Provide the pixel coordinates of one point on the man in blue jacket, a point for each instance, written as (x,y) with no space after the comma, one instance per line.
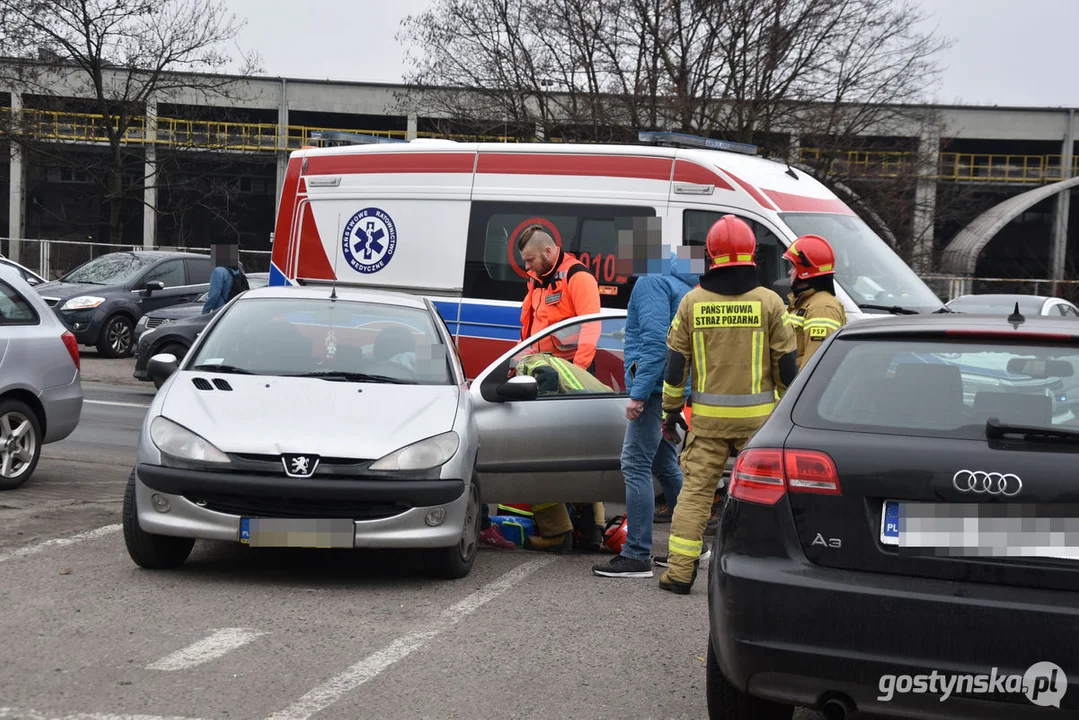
(653,303)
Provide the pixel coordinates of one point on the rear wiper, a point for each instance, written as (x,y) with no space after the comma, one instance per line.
(995,429)
(342,376)
(893,309)
(227,369)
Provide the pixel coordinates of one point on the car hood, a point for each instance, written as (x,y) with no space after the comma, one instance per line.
(177,312)
(273,415)
(65,291)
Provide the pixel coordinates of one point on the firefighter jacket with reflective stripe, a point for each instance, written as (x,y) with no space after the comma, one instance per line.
(557,376)
(814,315)
(732,344)
(569,290)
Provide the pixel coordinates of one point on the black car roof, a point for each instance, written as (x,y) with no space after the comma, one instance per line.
(970,322)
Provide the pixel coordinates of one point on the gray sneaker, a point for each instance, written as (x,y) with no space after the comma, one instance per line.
(624,567)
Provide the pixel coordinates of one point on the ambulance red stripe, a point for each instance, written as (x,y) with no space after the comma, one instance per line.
(647,168)
(799,203)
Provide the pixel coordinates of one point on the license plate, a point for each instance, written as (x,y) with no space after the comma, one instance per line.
(297,532)
(889,522)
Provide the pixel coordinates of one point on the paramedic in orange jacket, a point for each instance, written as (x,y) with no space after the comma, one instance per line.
(560,287)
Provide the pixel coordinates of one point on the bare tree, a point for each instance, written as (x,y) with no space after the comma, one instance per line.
(841,75)
(113,59)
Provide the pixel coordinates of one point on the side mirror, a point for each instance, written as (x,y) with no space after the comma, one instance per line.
(161,366)
(521,387)
(154,285)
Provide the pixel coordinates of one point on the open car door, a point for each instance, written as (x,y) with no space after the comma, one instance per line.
(550,433)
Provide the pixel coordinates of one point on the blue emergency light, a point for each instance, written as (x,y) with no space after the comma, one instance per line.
(660,137)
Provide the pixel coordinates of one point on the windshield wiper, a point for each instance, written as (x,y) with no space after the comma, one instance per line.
(227,369)
(893,309)
(343,376)
(944,309)
(995,429)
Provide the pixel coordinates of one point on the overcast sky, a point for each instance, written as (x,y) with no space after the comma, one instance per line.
(1006,52)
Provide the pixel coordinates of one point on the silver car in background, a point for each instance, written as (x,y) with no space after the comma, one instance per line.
(40,383)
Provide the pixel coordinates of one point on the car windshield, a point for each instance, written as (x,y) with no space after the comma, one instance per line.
(997,304)
(341,340)
(940,388)
(111,269)
(865,266)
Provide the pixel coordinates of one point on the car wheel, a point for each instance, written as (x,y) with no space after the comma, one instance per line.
(117,338)
(456,561)
(176,349)
(726,702)
(154,552)
(20,443)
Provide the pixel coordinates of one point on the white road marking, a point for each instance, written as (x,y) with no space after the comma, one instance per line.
(59,542)
(114,403)
(369,668)
(16,714)
(222,641)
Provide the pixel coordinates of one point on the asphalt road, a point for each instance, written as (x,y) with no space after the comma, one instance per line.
(289,635)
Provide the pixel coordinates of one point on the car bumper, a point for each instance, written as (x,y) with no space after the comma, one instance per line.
(63,408)
(85,325)
(797,633)
(405,529)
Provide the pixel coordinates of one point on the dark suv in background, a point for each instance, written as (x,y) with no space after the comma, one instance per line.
(101,300)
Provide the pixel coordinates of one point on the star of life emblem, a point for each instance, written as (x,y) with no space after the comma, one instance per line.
(299,465)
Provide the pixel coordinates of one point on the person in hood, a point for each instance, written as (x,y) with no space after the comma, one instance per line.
(661,284)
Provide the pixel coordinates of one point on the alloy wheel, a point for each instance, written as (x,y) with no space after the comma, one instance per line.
(18,443)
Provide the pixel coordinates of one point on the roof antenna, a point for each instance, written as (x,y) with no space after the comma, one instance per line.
(1016,318)
(336,250)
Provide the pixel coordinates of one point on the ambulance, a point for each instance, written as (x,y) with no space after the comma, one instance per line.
(441,218)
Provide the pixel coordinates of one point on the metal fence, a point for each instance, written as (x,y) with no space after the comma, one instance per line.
(948,287)
(51,258)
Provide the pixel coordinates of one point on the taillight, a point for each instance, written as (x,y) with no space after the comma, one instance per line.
(764,475)
(758,477)
(72,346)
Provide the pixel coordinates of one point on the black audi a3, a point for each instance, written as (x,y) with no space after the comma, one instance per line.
(901,537)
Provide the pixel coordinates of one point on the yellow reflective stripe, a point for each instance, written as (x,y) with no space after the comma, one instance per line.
(796,320)
(730,412)
(681,546)
(675,323)
(724,259)
(561,366)
(514,511)
(745,258)
(823,322)
(672,391)
(732,400)
(825,268)
(700,369)
(758,362)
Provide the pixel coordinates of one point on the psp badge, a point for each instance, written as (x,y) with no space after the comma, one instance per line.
(369,240)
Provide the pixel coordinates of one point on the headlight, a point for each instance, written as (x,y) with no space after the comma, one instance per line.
(425,454)
(179,442)
(83,303)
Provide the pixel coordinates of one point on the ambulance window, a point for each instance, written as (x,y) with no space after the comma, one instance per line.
(494,269)
(695,226)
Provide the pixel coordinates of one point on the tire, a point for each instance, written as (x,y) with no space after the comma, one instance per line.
(726,702)
(18,455)
(456,561)
(153,552)
(117,337)
(176,349)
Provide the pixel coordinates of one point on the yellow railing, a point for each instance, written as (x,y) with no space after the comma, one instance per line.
(241,136)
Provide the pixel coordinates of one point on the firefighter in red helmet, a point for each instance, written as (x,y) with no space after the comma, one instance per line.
(731,336)
(815,312)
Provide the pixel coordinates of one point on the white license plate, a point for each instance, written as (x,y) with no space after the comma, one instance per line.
(298,532)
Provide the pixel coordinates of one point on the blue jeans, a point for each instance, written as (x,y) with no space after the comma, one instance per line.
(645,453)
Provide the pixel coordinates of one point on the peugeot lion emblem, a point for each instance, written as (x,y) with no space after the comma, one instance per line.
(987,483)
(299,466)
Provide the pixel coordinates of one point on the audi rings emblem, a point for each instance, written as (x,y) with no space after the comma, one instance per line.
(987,483)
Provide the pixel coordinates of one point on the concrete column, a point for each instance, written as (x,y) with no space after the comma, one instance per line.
(282,142)
(17,188)
(149,191)
(1059,251)
(413,123)
(925,201)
